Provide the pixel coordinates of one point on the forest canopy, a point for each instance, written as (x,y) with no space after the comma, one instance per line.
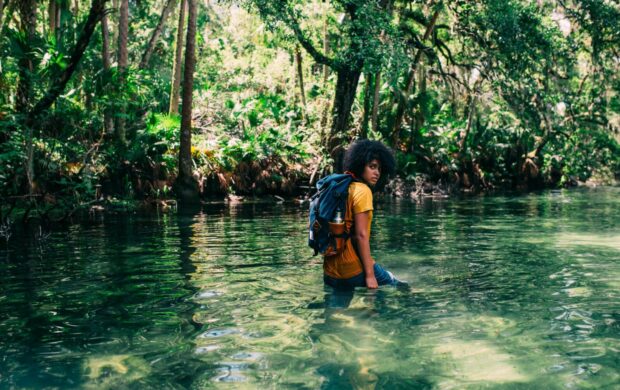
(149,98)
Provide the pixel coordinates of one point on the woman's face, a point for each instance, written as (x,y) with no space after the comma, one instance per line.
(372,172)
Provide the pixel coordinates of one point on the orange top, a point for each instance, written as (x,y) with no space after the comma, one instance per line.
(347,264)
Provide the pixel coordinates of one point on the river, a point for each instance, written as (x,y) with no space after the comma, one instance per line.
(514,292)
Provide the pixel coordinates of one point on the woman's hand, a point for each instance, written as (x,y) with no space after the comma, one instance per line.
(371,282)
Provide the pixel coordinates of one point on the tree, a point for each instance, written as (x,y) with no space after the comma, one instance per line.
(368,93)
(598,21)
(28,26)
(186,185)
(156,33)
(3,4)
(360,43)
(178,58)
(374,119)
(123,62)
(404,97)
(52,11)
(108,121)
(491,93)
(59,84)
(300,78)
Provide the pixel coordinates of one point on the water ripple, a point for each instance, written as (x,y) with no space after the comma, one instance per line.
(504,291)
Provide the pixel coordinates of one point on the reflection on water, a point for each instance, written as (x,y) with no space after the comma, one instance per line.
(505,292)
(113,371)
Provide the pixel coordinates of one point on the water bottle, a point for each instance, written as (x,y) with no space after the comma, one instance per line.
(336,228)
(338,217)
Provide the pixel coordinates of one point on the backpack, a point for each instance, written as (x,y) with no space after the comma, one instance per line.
(332,195)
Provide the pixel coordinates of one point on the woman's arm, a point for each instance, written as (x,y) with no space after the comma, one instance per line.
(361,239)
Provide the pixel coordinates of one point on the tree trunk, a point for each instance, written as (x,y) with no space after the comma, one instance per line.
(51,11)
(548,129)
(187,187)
(375,102)
(368,90)
(28,17)
(346,87)
(105,43)
(2,5)
(10,5)
(114,25)
(54,9)
(59,11)
(178,58)
(325,43)
(123,61)
(156,33)
(470,118)
(300,78)
(404,98)
(108,121)
(292,89)
(419,116)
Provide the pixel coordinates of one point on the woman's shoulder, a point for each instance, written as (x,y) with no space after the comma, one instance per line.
(358,188)
(360,197)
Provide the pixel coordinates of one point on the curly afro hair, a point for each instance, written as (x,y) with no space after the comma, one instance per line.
(362,152)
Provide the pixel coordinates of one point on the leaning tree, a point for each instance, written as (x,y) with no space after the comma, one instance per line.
(362,27)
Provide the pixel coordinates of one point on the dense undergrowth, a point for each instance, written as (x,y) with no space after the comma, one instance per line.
(520,106)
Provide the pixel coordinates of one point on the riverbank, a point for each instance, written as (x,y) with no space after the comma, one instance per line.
(48,211)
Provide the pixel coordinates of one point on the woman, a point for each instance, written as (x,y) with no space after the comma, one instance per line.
(371,163)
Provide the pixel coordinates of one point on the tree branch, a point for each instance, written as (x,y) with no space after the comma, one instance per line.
(445,50)
(156,33)
(305,42)
(447,75)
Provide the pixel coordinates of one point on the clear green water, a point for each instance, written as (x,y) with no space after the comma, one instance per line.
(505,292)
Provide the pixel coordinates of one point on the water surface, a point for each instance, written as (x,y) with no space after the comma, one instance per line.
(505,292)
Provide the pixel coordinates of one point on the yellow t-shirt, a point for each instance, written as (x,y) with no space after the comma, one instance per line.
(347,264)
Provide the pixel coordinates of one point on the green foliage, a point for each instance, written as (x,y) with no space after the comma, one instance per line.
(157,144)
(267,132)
(264,144)
(358,28)
(12,157)
(545,111)
(586,152)
(257,109)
